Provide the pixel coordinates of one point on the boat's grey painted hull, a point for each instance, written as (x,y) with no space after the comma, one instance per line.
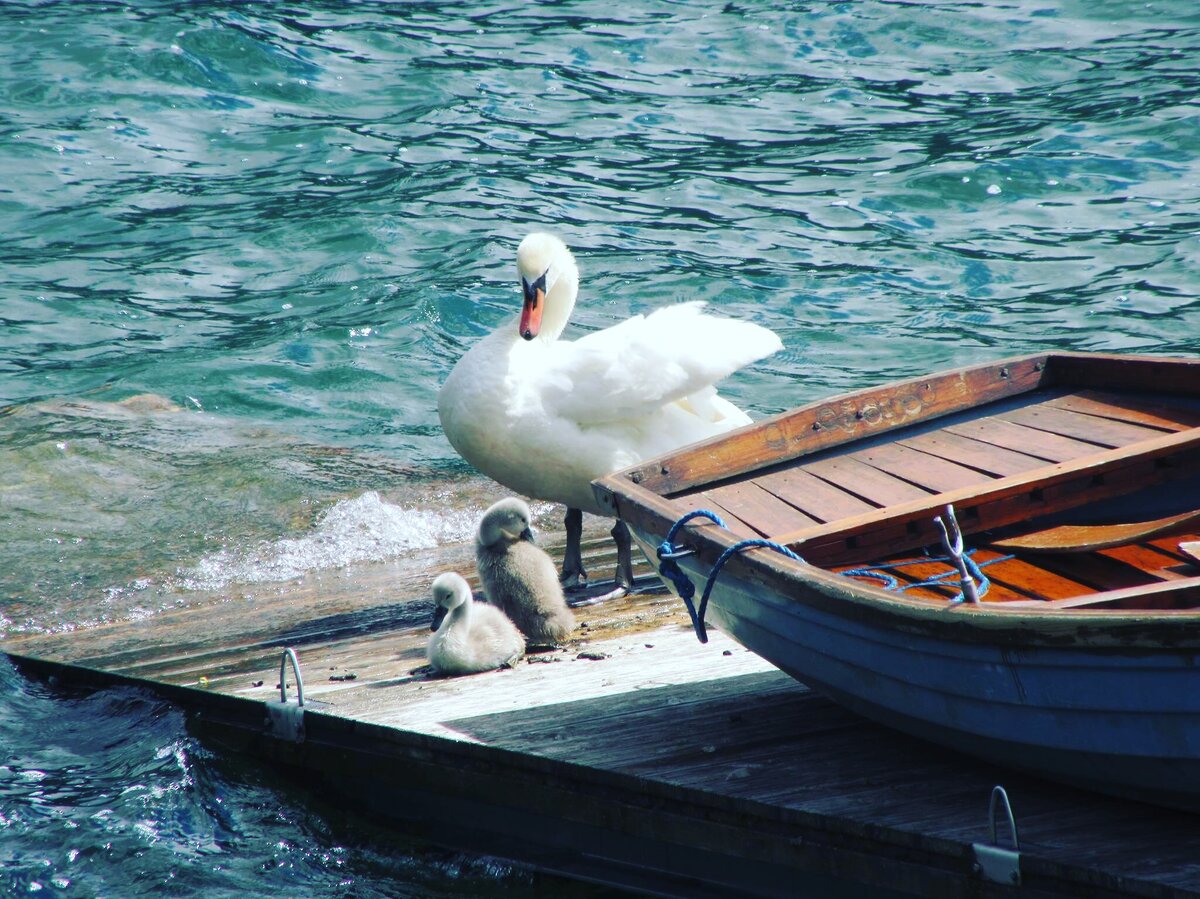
(1120,719)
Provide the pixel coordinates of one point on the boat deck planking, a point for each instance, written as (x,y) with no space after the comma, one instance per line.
(659,763)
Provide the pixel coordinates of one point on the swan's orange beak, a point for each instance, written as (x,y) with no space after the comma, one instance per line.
(531,312)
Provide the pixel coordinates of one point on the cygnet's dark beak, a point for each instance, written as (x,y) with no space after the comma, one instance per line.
(531,311)
(528,535)
(439,614)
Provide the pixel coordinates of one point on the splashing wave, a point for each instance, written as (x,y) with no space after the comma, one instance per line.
(361,529)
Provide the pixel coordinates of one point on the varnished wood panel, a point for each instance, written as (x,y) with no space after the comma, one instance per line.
(978,454)
(1004,501)
(1183,593)
(1162,565)
(1030,441)
(760,509)
(1152,411)
(816,498)
(930,472)
(1098,570)
(1170,546)
(866,481)
(1027,577)
(1077,426)
(707,499)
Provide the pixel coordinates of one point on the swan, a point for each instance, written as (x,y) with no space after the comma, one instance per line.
(472,636)
(545,417)
(517,574)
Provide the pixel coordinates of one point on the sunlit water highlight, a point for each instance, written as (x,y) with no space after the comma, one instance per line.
(242,246)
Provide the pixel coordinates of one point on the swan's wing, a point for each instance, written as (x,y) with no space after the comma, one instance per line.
(632,369)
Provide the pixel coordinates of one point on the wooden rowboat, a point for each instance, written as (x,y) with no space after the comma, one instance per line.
(1075,482)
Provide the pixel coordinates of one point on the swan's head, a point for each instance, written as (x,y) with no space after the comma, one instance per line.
(450,590)
(549,281)
(505,522)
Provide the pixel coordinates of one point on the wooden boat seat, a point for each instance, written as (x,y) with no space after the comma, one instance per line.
(1088,538)
(1183,593)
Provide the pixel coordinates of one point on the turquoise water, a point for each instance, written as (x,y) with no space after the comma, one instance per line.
(284,223)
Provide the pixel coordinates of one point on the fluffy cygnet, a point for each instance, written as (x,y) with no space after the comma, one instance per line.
(472,636)
(518,575)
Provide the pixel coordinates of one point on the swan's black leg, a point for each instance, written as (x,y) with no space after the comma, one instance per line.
(623,582)
(573,573)
(624,577)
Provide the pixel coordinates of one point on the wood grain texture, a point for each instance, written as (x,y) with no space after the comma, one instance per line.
(1152,410)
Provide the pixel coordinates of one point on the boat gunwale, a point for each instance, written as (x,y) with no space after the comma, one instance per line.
(807,429)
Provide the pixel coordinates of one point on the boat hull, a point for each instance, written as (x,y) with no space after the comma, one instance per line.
(1120,718)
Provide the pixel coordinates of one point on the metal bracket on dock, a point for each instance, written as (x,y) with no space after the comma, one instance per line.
(992,861)
(285,720)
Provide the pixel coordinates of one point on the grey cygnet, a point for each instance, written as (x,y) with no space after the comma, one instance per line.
(518,576)
(472,636)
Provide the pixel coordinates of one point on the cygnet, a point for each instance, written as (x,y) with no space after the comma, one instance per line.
(518,576)
(472,636)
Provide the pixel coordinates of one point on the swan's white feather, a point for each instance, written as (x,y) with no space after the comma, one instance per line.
(634,368)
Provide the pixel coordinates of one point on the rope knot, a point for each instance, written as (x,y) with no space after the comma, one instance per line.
(669,568)
(668,552)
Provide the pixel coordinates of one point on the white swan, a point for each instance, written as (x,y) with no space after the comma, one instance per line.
(518,576)
(473,636)
(545,417)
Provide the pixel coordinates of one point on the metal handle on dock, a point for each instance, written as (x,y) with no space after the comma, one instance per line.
(992,861)
(289,653)
(998,796)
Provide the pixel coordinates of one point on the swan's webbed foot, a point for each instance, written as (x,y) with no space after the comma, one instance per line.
(623,580)
(615,593)
(573,581)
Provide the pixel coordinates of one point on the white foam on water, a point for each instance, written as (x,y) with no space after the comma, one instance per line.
(366,528)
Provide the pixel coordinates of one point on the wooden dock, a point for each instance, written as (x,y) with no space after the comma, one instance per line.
(635,756)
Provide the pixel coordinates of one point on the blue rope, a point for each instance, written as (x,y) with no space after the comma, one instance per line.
(893,585)
(668,552)
(669,568)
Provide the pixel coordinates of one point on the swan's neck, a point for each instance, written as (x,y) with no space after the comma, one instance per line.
(489,535)
(560,302)
(459,616)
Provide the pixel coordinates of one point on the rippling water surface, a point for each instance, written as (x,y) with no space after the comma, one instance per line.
(241,245)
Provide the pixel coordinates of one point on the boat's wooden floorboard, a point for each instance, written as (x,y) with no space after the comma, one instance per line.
(636,694)
(1046,576)
(810,494)
(963,453)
